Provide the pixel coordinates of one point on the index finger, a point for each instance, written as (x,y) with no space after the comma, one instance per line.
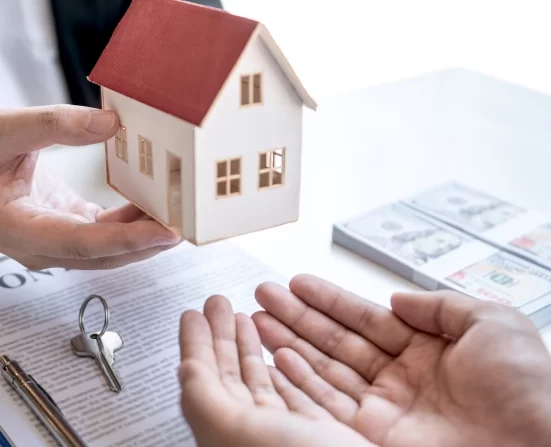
(372,321)
(33,128)
(196,340)
(58,238)
(254,371)
(321,331)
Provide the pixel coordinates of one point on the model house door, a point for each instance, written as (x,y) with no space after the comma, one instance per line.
(174,190)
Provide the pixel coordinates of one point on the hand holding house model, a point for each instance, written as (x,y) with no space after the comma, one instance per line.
(211,120)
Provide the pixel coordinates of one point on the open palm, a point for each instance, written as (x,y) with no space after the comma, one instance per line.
(231,398)
(441,369)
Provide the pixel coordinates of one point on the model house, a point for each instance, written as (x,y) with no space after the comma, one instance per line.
(211,120)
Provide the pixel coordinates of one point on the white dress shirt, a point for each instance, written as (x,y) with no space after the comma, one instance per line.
(30,73)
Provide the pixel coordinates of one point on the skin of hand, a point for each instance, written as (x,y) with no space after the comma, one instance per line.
(43,223)
(231,398)
(437,369)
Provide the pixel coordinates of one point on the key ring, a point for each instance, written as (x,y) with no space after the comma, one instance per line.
(105,313)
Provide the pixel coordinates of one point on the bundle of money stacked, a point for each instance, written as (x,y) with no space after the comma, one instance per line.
(524,232)
(454,237)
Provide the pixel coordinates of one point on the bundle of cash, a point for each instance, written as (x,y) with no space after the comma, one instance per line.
(524,232)
(436,256)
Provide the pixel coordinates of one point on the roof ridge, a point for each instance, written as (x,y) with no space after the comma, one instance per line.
(176,56)
(198,5)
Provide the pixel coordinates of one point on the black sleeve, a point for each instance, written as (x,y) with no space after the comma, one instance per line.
(83,28)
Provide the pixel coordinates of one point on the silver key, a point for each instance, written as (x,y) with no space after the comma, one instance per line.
(102,350)
(101,346)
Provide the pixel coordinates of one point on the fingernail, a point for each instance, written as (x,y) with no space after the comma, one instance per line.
(100,121)
(167,239)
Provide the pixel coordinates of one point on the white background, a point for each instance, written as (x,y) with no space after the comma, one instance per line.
(334,46)
(340,45)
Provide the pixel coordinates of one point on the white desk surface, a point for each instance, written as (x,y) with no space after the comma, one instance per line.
(368,147)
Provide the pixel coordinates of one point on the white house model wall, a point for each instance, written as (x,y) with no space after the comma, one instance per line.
(166,133)
(233,131)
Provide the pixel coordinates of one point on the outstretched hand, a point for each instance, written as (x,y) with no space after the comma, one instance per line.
(231,398)
(439,369)
(43,223)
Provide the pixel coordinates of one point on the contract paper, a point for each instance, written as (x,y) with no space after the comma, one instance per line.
(39,316)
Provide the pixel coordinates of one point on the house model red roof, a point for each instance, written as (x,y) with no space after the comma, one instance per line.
(176,56)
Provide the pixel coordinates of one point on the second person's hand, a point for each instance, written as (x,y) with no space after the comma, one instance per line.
(43,222)
(440,369)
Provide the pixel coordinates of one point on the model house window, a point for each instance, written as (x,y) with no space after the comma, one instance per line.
(272,168)
(251,89)
(146,156)
(120,144)
(228,177)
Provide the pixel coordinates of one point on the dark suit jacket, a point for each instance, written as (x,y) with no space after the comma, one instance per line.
(83,28)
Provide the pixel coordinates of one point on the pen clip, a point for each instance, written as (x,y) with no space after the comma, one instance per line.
(45,392)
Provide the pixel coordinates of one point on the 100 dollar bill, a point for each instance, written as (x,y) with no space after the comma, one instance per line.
(407,235)
(435,256)
(536,242)
(465,207)
(523,232)
(503,278)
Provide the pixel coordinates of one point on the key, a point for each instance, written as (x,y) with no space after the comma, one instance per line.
(102,350)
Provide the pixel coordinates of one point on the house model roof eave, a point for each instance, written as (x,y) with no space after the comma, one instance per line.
(183,79)
(285,66)
(262,32)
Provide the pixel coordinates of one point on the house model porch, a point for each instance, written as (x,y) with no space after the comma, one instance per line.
(211,112)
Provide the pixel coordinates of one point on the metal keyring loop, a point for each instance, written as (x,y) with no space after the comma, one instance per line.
(105,313)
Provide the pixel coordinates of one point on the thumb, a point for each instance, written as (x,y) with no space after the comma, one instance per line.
(446,312)
(33,128)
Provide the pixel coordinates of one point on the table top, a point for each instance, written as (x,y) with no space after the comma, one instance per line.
(369,147)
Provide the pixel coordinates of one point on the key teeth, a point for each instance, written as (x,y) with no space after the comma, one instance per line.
(118,390)
(81,348)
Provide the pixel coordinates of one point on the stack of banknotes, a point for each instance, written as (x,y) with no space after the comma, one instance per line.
(456,237)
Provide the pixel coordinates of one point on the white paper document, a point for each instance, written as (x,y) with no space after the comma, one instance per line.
(39,316)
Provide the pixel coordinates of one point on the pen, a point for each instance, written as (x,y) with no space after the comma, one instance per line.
(41,404)
(4,440)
